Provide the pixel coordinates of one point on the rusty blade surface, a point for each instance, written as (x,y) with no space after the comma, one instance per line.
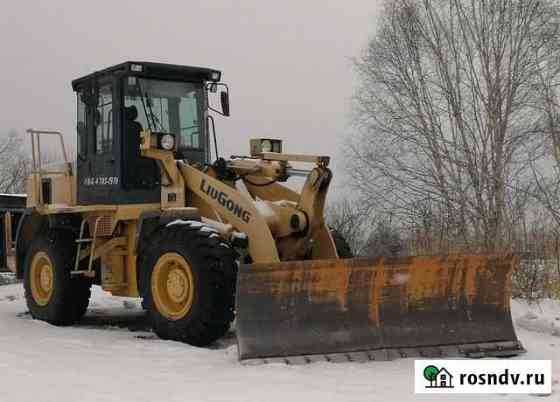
(326,307)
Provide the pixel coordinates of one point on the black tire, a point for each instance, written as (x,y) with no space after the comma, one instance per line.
(144,304)
(81,290)
(213,266)
(343,249)
(70,296)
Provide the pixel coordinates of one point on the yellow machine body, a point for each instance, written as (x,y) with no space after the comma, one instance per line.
(295,297)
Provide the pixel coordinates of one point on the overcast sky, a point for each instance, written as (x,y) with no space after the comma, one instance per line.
(288,63)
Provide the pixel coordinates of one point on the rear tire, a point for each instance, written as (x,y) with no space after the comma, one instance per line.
(343,249)
(187,279)
(52,295)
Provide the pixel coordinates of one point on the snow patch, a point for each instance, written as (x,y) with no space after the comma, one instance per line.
(12,195)
(131,304)
(194,224)
(9,298)
(7,278)
(111,348)
(208,229)
(542,317)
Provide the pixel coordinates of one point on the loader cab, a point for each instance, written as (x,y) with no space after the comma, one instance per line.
(115,105)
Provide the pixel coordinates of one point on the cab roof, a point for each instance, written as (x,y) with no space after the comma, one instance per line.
(154,70)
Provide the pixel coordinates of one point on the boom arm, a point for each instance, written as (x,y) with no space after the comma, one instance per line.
(280,224)
(236,209)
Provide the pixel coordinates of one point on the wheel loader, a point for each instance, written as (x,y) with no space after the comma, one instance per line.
(148,209)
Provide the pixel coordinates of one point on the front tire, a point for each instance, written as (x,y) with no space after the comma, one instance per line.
(188,282)
(52,295)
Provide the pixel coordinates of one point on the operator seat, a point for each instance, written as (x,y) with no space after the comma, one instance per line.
(133,129)
(139,171)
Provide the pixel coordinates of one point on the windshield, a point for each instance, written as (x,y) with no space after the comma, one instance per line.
(170,107)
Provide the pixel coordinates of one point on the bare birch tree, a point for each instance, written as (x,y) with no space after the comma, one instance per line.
(449,110)
(545,165)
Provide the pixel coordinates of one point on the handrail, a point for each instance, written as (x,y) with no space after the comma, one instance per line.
(35,137)
(36,156)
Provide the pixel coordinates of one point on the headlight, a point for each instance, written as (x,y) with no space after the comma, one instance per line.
(167,142)
(266,146)
(260,145)
(215,75)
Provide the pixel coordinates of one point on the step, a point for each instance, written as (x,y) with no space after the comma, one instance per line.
(91,274)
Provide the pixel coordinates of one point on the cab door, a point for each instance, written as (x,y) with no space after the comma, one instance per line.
(98,179)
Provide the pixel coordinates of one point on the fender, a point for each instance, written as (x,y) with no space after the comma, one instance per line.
(29,225)
(150,221)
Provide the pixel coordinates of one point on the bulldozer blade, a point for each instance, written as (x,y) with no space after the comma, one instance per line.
(370,309)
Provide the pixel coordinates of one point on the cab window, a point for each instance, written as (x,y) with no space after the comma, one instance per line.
(81,125)
(171,107)
(103,121)
(190,131)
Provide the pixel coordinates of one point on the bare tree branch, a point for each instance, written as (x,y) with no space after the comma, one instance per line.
(450,115)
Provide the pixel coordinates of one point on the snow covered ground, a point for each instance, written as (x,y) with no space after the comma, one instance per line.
(111,356)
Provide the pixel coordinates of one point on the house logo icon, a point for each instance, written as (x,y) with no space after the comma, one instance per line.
(438,378)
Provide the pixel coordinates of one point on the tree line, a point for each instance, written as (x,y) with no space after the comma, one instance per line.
(456,144)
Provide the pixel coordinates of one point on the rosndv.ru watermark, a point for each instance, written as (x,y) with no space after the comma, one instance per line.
(483,376)
(505,378)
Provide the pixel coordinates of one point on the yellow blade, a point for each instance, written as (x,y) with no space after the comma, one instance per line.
(379,307)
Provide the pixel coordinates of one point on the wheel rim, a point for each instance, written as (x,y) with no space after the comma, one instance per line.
(173,286)
(42,278)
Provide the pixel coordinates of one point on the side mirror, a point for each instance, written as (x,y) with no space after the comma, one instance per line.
(224,97)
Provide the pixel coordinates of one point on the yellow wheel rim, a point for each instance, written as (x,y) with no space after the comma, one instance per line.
(42,278)
(172,286)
